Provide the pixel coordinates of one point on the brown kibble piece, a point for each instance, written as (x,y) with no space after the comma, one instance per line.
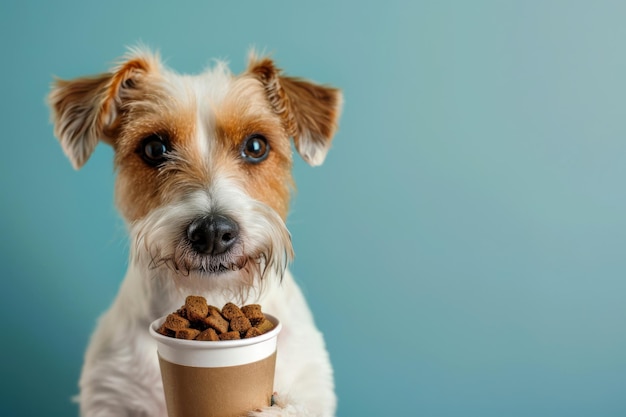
(175,322)
(214,310)
(240,324)
(208,335)
(196,308)
(198,320)
(230,336)
(252,332)
(230,310)
(265,326)
(166,332)
(187,333)
(217,322)
(253,313)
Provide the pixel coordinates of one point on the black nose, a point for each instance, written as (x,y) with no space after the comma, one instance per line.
(213,234)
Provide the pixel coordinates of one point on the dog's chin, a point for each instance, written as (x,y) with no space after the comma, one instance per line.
(201,274)
(187,262)
(213,270)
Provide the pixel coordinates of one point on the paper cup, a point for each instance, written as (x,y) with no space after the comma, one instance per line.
(217,379)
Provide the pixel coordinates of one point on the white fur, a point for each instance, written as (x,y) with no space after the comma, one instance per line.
(121,377)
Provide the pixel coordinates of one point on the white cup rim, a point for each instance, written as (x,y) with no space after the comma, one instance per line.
(209,344)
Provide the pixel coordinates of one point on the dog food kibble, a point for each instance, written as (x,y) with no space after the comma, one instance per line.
(199,321)
(230,311)
(265,326)
(195,308)
(252,332)
(187,333)
(253,313)
(208,334)
(240,324)
(230,336)
(175,322)
(216,322)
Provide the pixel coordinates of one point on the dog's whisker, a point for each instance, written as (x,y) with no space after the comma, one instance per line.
(265,249)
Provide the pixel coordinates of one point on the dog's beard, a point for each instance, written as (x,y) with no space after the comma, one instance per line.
(185,259)
(264,248)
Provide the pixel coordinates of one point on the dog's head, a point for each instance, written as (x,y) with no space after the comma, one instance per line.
(203,162)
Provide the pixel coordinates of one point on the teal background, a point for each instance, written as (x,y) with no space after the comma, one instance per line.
(463,247)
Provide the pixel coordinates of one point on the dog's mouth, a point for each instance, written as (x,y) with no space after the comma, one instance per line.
(210,267)
(186,259)
(218,269)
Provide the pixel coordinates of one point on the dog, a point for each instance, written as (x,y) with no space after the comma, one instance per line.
(203,183)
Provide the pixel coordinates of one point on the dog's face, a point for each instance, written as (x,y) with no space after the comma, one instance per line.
(203,162)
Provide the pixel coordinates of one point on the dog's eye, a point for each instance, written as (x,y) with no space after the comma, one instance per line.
(255,148)
(153,150)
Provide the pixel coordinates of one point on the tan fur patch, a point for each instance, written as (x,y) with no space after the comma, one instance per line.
(244,112)
(141,188)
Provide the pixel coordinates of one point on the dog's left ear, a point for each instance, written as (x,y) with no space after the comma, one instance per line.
(310,111)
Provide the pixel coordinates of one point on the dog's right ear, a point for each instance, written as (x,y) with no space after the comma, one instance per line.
(87,110)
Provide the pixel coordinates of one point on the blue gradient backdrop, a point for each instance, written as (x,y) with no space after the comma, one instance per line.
(463,247)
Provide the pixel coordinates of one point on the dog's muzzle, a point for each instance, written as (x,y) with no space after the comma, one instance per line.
(213,235)
(193,237)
